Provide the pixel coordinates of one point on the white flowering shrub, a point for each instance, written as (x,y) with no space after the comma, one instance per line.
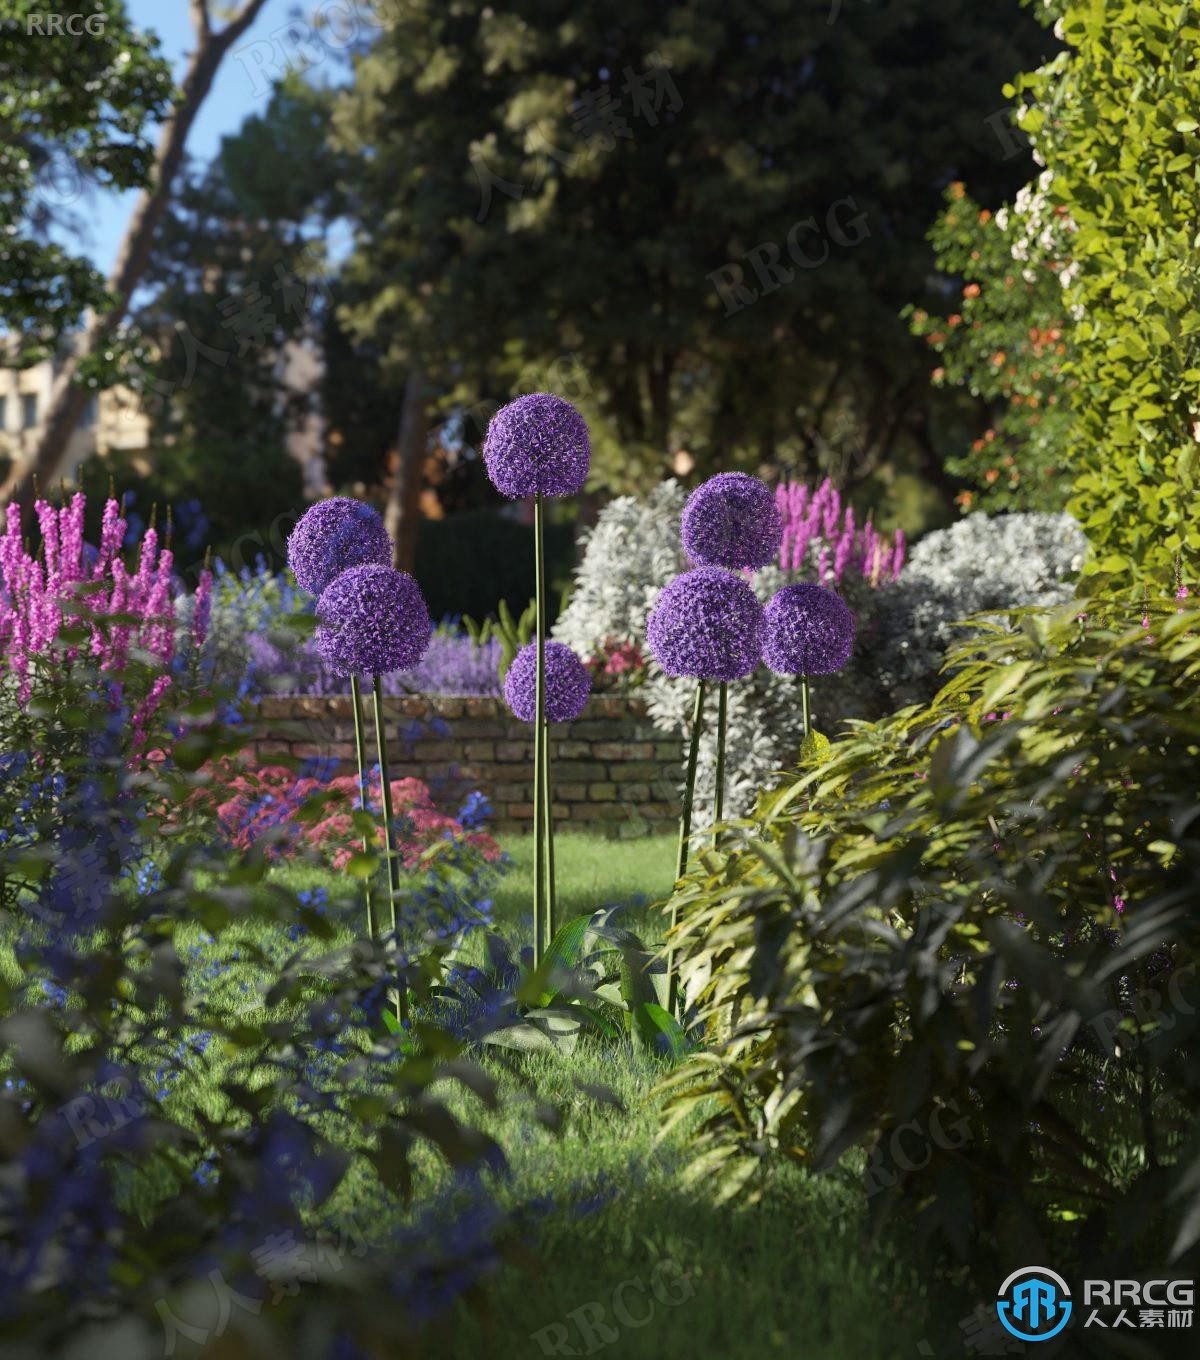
(904,627)
(979,564)
(630,554)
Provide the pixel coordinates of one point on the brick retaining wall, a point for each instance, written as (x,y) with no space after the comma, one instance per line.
(613,770)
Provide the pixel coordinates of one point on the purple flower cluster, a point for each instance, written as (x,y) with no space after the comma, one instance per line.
(537,445)
(732,521)
(568,684)
(332,536)
(453,665)
(708,624)
(810,631)
(373,620)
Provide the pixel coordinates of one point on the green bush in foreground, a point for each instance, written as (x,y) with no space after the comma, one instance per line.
(967,944)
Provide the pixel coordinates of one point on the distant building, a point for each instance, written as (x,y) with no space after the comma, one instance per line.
(112,421)
(115,420)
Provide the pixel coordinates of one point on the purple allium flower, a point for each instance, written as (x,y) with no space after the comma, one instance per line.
(537,444)
(810,631)
(707,623)
(568,683)
(372,620)
(732,521)
(333,535)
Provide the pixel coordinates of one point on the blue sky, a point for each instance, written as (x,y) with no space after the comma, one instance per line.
(241,87)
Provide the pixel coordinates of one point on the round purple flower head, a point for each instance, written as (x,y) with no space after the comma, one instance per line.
(810,631)
(332,535)
(537,444)
(732,521)
(707,623)
(372,620)
(567,684)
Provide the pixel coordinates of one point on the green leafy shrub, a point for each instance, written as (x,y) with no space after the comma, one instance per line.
(185,1126)
(967,944)
(1005,338)
(1114,120)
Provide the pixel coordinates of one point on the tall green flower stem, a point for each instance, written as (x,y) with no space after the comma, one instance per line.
(804,702)
(722,729)
(364,788)
(393,859)
(547,795)
(541,797)
(685,837)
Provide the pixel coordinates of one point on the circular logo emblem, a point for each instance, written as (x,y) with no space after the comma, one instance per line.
(1034,1303)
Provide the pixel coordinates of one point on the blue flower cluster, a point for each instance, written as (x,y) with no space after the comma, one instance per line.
(475,811)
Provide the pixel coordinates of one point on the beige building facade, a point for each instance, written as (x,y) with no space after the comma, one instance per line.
(113,421)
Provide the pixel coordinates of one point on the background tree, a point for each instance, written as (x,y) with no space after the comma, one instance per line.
(714,213)
(237,282)
(74,110)
(86,358)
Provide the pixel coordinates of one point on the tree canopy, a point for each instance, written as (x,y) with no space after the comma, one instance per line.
(74,111)
(709,215)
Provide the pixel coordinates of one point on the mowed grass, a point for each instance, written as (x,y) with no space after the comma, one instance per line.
(622,1237)
(621,1253)
(632,1259)
(591,872)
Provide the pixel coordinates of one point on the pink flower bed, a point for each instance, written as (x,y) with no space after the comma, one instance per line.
(251,803)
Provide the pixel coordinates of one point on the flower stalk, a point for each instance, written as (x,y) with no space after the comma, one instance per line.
(722,730)
(548,796)
(541,797)
(685,837)
(393,859)
(364,790)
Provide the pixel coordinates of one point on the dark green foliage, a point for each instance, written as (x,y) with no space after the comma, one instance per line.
(968,944)
(534,200)
(236,286)
(1005,336)
(467,563)
(511,632)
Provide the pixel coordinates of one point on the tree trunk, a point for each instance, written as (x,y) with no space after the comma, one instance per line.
(403,516)
(67,398)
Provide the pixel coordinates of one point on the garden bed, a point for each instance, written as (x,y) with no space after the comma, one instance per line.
(614,771)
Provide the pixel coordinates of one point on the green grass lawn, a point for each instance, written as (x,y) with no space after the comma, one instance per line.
(591,872)
(790,1273)
(622,1253)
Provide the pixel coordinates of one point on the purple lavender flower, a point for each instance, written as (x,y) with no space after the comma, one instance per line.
(567,683)
(732,521)
(810,631)
(537,444)
(707,623)
(373,620)
(333,535)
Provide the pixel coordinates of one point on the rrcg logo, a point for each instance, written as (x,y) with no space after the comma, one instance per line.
(1034,1303)
(55,25)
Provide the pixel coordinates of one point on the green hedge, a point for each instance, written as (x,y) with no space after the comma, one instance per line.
(470,561)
